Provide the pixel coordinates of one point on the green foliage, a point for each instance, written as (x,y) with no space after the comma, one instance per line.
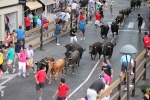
(147,90)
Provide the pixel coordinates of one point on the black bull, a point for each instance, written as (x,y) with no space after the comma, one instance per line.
(114,28)
(104,30)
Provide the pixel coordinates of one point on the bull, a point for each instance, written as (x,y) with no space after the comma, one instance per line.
(114,28)
(44,62)
(127,11)
(56,67)
(132,4)
(94,49)
(120,17)
(104,31)
(138,3)
(72,60)
(108,49)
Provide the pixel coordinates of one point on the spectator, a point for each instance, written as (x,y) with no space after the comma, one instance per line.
(10,35)
(55,17)
(40,80)
(82,25)
(112,7)
(7,25)
(67,18)
(63,17)
(58,30)
(31,19)
(18,47)
(1,59)
(30,54)
(22,63)
(27,23)
(45,21)
(39,23)
(1,91)
(73,37)
(10,59)
(42,19)
(62,90)
(145,95)
(81,17)
(35,20)
(96,88)
(74,6)
(44,15)
(21,35)
(146,41)
(140,22)
(69,9)
(97,20)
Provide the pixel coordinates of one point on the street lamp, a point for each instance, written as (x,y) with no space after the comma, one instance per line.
(128,50)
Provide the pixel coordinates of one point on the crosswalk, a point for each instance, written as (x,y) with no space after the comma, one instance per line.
(129,25)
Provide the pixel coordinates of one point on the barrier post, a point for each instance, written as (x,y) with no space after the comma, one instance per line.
(144,75)
(119,88)
(71,20)
(76,22)
(1,45)
(87,14)
(95,7)
(134,79)
(41,38)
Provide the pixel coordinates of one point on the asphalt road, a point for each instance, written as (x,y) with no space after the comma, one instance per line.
(20,88)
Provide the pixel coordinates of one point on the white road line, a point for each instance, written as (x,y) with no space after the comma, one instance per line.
(109,24)
(131,24)
(131,31)
(72,93)
(143,25)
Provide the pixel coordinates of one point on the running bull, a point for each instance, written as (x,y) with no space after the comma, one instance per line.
(114,28)
(104,30)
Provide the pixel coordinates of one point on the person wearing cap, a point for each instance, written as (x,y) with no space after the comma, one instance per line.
(112,7)
(10,59)
(63,90)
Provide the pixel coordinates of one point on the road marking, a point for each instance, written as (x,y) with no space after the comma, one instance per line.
(131,31)
(72,93)
(109,24)
(131,24)
(143,25)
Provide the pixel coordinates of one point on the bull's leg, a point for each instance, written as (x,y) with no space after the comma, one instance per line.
(91,57)
(104,57)
(78,62)
(116,33)
(65,71)
(94,57)
(72,69)
(55,76)
(113,34)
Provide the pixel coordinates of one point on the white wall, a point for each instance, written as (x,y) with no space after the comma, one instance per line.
(4,3)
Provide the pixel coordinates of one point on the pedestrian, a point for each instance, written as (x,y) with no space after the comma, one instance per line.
(91,7)
(21,35)
(10,59)
(18,48)
(125,60)
(6,20)
(112,7)
(81,16)
(108,62)
(22,63)
(27,23)
(31,19)
(67,18)
(44,15)
(58,30)
(1,91)
(39,23)
(140,22)
(83,4)
(82,25)
(1,59)
(30,54)
(146,41)
(40,80)
(63,90)
(97,19)
(96,88)
(74,6)
(63,17)
(35,18)
(145,95)
(73,37)
(10,35)
(101,13)
(45,21)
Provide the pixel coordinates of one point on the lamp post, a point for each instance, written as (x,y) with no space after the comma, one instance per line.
(128,50)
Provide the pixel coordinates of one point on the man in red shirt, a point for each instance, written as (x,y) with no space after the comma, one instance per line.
(97,20)
(62,90)
(146,41)
(40,80)
(45,21)
(81,17)
(27,23)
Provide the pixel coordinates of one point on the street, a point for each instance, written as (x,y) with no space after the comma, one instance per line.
(19,88)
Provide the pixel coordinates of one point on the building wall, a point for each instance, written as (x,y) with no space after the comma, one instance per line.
(14,13)
(4,3)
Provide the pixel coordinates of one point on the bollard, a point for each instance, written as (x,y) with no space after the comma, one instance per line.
(76,21)
(144,75)
(41,38)
(87,14)
(119,88)
(95,7)
(71,20)
(134,79)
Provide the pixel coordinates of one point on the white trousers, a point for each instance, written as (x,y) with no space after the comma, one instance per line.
(73,38)
(91,94)
(22,68)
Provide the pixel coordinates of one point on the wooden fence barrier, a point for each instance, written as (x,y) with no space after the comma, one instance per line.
(138,71)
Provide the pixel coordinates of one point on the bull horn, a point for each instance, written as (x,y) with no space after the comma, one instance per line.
(109,46)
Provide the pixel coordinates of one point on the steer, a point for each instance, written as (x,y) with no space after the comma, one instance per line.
(74,58)
(104,30)
(108,49)
(56,67)
(94,49)
(138,3)
(132,4)
(114,28)
(44,62)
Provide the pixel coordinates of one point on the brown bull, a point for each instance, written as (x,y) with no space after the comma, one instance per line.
(119,18)
(56,67)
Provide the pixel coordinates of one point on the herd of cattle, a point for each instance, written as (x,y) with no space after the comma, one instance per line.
(74,52)
(123,14)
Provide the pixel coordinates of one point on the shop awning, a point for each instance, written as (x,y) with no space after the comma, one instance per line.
(47,2)
(33,5)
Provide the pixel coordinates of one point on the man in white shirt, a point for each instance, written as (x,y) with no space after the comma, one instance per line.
(44,15)
(39,23)
(66,18)
(30,54)
(74,7)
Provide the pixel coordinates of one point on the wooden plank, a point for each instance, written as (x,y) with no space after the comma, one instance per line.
(140,66)
(48,39)
(47,24)
(33,30)
(33,38)
(36,44)
(51,30)
(140,56)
